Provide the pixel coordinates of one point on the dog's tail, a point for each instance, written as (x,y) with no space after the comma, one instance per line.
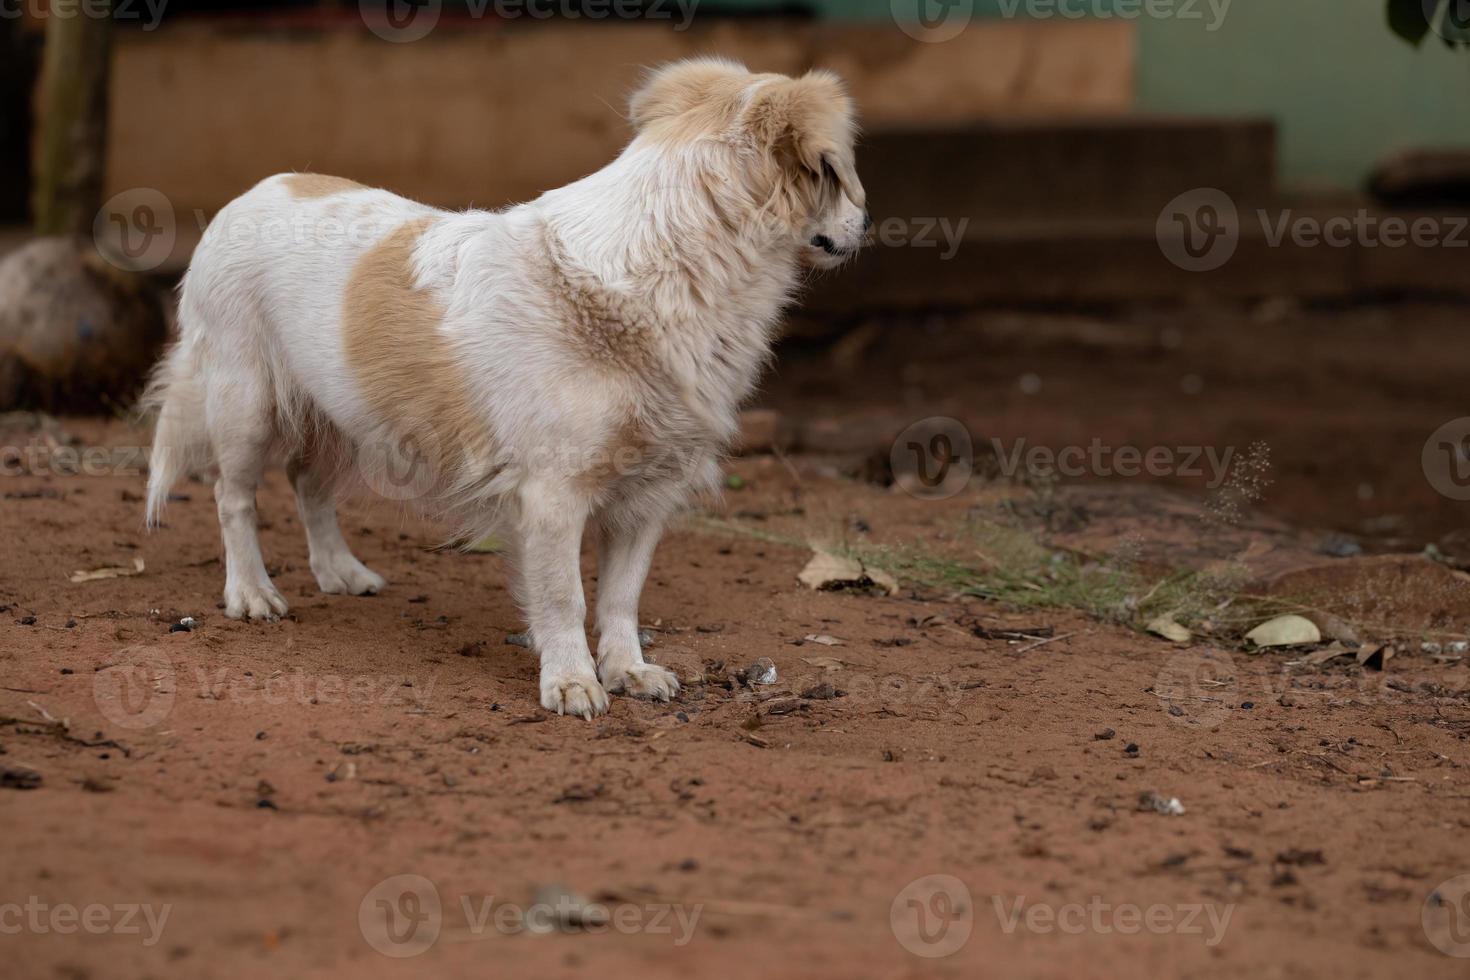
(180,439)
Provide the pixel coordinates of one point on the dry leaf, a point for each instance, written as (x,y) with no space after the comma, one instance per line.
(1285,631)
(829,663)
(1375,657)
(881,579)
(110,571)
(1325,654)
(824,640)
(829,572)
(1166,627)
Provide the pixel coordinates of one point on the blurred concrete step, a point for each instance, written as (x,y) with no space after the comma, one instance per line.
(1108,165)
(1275,249)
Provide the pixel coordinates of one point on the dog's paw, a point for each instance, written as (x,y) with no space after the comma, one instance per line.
(641,681)
(255,600)
(574,694)
(345,575)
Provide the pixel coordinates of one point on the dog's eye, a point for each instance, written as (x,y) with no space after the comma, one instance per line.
(828,174)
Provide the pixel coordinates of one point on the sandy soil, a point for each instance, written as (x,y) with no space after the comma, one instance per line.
(986,798)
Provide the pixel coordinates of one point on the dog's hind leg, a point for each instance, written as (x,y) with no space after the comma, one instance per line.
(625,552)
(336,568)
(239,417)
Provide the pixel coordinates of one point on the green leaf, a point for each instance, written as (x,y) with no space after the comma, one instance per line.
(1409,20)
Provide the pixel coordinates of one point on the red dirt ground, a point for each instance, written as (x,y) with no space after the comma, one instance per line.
(263,780)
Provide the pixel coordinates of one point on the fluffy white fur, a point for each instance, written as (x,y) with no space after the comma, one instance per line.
(597,344)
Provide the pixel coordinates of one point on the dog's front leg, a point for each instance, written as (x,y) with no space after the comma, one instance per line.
(550,531)
(624,555)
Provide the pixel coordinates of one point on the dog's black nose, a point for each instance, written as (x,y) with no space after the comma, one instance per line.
(824,243)
(867,221)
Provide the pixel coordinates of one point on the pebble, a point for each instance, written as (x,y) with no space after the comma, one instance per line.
(763,671)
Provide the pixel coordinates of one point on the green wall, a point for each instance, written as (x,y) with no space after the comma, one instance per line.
(1343,89)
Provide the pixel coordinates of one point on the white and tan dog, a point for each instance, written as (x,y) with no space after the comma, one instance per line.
(579,357)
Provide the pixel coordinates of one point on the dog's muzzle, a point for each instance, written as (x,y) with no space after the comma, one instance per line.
(827,245)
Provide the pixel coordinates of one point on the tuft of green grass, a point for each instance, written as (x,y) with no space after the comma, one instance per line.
(1011,565)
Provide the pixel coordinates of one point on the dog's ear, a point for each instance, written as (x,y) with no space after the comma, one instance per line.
(809,122)
(674,89)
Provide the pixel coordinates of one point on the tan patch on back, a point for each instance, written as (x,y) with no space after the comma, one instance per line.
(303,186)
(405,367)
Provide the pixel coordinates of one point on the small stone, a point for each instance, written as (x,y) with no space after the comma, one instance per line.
(1340,546)
(763,672)
(1165,806)
(19,778)
(570,911)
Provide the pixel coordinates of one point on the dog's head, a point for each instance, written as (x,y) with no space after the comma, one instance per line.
(786,143)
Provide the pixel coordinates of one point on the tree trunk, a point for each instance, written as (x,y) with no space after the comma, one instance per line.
(71,157)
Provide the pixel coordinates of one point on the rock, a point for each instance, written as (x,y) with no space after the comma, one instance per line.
(1340,546)
(1411,592)
(18,777)
(76,333)
(1165,806)
(566,911)
(762,672)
